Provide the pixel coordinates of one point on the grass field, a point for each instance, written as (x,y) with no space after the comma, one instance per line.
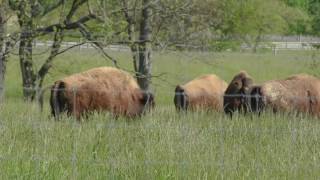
(162,144)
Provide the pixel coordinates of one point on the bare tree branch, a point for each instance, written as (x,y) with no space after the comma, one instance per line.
(75,6)
(69,48)
(66,26)
(58,38)
(87,34)
(53,7)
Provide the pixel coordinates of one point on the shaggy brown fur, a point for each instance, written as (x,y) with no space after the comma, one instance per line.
(298,93)
(205,92)
(98,89)
(235,96)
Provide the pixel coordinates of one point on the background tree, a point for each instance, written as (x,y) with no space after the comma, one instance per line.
(314,11)
(247,22)
(3,42)
(147,24)
(144,25)
(30,14)
(311,10)
(140,48)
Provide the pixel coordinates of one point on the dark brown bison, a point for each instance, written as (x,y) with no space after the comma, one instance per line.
(99,89)
(235,96)
(298,93)
(205,92)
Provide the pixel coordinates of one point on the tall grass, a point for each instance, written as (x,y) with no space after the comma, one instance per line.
(163,144)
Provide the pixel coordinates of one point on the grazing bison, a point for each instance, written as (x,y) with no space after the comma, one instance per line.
(235,96)
(298,93)
(99,89)
(205,92)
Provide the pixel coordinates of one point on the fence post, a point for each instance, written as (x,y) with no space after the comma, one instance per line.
(80,40)
(300,37)
(275,50)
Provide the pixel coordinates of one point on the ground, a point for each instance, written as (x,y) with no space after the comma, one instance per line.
(163,144)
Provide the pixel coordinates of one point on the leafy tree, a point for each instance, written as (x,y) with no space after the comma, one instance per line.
(301,4)
(30,15)
(145,24)
(2,46)
(249,20)
(311,9)
(314,10)
(6,43)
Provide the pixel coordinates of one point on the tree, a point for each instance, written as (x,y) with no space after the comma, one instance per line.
(146,24)
(141,49)
(30,13)
(2,48)
(250,19)
(296,14)
(314,11)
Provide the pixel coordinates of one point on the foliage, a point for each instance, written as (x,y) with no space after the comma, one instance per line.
(32,19)
(249,19)
(312,9)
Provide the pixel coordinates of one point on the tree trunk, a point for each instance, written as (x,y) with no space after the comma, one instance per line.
(133,45)
(2,49)
(58,38)
(25,19)
(257,41)
(28,11)
(25,56)
(26,65)
(144,64)
(131,34)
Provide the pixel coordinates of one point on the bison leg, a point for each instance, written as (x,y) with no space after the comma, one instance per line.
(180,99)
(58,101)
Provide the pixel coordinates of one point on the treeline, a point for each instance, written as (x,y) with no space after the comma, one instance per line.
(217,24)
(194,22)
(311,9)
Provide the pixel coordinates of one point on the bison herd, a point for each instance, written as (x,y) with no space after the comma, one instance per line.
(116,91)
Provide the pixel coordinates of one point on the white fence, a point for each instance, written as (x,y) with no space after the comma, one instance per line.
(113,47)
(124,48)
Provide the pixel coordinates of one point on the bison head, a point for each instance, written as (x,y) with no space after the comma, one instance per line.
(148,100)
(236,95)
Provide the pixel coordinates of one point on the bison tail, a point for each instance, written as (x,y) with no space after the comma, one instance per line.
(180,99)
(58,101)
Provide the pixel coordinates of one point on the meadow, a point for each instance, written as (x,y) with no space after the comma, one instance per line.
(162,144)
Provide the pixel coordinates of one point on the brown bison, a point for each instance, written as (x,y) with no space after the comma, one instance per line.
(236,94)
(99,89)
(298,93)
(205,92)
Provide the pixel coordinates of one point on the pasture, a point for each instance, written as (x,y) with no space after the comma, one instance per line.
(163,144)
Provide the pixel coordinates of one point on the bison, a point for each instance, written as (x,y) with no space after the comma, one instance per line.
(99,89)
(205,92)
(236,95)
(298,93)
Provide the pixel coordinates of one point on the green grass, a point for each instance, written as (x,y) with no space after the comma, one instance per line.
(163,144)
